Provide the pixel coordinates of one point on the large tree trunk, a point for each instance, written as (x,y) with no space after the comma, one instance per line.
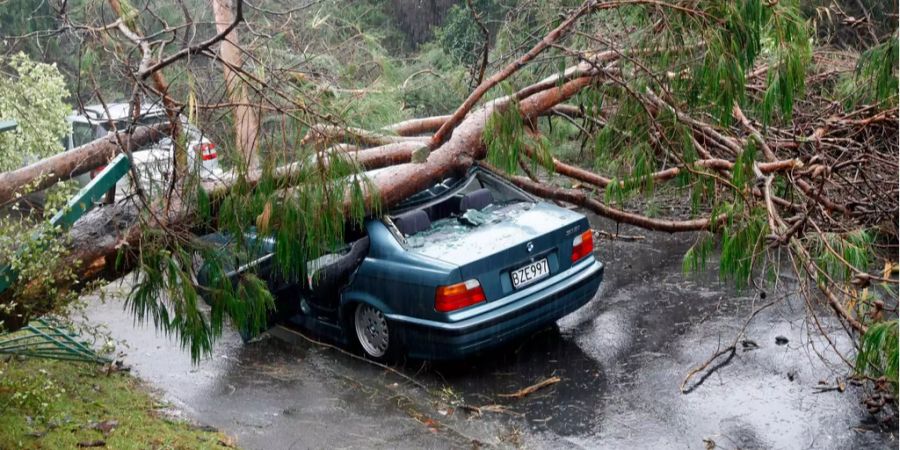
(70,164)
(246,122)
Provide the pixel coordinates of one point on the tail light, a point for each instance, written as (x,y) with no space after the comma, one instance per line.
(207,151)
(459,295)
(582,245)
(97,171)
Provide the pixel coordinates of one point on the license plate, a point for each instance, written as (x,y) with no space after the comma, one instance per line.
(529,273)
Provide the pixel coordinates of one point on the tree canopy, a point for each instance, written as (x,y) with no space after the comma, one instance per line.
(33,94)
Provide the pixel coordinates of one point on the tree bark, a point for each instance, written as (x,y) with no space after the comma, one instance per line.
(246,122)
(415,127)
(328,134)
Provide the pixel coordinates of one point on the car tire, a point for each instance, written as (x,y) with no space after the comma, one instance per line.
(373,333)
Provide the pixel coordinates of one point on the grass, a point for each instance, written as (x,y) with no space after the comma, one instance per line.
(59,404)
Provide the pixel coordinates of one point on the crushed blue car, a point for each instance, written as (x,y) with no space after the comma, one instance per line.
(469,264)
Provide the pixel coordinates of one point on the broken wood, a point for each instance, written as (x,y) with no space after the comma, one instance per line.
(499,409)
(729,350)
(524,392)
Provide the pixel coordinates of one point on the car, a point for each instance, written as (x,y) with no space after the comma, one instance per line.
(464,266)
(153,161)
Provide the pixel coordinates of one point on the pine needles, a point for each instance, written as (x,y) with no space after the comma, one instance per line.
(878,353)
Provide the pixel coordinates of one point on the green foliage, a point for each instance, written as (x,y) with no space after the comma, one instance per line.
(732,49)
(165,293)
(735,35)
(625,136)
(303,219)
(640,179)
(35,252)
(878,353)
(566,140)
(507,142)
(503,136)
(854,247)
(741,240)
(742,173)
(33,94)
(696,257)
(460,37)
(875,79)
(622,147)
(789,51)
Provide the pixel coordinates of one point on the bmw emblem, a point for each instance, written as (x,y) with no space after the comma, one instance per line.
(529,246)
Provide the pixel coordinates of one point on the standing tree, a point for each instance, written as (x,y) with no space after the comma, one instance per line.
(246,123)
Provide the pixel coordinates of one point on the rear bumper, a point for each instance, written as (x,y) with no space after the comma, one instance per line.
(452,340)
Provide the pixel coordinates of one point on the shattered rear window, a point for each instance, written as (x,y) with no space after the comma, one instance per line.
(458,226)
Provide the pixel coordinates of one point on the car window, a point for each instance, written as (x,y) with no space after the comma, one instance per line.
(81,134)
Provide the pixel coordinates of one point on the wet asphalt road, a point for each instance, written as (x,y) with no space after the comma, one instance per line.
(621,360)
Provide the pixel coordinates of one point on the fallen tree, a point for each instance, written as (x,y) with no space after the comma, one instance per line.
(770,166)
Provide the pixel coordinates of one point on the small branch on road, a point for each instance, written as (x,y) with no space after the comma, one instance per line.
(479,410)
(524,392)
(729,350)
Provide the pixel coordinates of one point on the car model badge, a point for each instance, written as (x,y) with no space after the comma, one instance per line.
(529,246)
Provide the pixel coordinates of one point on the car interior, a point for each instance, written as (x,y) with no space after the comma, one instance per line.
(325,276)
(328,274)
(475,193)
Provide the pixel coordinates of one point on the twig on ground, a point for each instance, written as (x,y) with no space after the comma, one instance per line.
(621,237)
(729,350)
(524,392)
(500,409)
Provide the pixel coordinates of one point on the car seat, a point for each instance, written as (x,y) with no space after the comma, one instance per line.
(412,222)
(476,200)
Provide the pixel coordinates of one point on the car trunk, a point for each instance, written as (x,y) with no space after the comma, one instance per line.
(508,237)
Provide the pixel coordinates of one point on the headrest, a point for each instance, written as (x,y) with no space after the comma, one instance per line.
(476,200)
(412,222)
